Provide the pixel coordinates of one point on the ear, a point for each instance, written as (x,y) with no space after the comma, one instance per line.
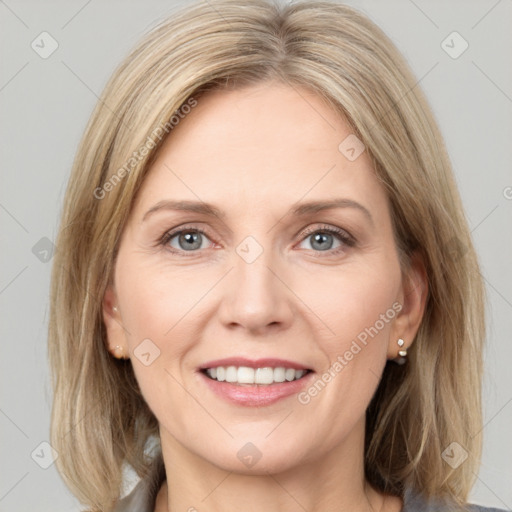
(413,298)
(116,337)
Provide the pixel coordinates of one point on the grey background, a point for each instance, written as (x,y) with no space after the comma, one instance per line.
(45,104)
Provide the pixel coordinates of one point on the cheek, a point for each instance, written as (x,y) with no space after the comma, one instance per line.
(361,315)
(358,300)
(156,305)
(156,300)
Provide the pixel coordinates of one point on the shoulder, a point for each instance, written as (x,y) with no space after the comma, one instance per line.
(416,502)
(480,508)
(143,496)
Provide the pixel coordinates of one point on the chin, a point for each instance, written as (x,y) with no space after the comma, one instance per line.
(256,458)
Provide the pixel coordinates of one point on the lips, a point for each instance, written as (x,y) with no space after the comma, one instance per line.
(255,394)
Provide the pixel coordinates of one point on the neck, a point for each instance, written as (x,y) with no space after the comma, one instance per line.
(330,482)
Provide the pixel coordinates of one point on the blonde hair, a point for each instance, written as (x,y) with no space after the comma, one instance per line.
(99,418)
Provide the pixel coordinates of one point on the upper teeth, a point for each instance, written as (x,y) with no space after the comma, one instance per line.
(246,375)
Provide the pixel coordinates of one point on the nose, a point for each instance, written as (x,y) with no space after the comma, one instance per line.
(256,297)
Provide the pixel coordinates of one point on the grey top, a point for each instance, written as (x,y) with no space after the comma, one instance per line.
(142,498)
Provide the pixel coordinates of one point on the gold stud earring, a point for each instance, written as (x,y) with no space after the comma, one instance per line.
(119,352)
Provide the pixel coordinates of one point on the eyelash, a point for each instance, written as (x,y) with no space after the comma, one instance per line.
(341,234)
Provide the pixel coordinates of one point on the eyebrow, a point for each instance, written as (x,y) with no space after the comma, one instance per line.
(300,210)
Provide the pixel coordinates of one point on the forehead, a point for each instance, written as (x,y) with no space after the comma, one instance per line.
(262,116)
(262,144)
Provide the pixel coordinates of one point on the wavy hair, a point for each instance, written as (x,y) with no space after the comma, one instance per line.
(100,420)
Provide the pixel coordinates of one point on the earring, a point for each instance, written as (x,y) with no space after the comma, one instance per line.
(119,352)
(115,309)
(402,353)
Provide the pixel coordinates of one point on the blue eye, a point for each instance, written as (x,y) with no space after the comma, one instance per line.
(191,239)
(188,240)
(322,239)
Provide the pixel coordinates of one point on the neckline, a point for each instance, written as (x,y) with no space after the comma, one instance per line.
(146,490)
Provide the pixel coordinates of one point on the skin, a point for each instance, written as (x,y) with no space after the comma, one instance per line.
(255,153)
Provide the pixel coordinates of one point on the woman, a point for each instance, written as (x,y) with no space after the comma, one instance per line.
(193,302)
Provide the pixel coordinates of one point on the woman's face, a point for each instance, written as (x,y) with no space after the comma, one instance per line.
(270,275)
